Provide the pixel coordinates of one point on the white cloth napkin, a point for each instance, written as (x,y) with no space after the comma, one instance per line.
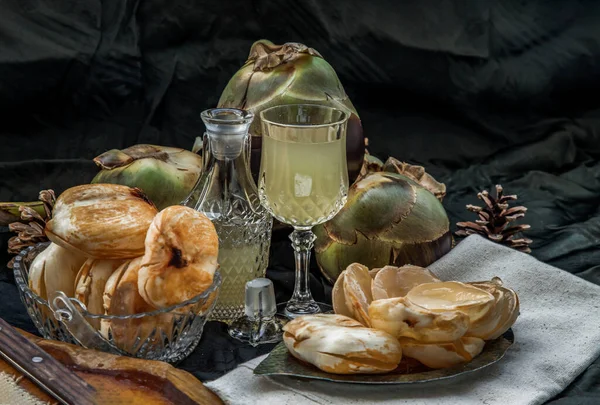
(557,336)
(11,393)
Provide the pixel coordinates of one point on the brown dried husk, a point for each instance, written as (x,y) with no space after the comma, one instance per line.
(30,223)
(418,174)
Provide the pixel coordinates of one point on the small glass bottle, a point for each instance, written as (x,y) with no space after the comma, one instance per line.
(227,194)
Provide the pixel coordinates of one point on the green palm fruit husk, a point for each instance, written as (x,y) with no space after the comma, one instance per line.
(392,217)
(290,74)
(166,175)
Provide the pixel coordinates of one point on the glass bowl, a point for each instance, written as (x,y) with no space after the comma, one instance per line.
(168,334)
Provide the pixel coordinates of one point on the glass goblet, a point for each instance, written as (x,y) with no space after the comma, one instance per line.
(303,180)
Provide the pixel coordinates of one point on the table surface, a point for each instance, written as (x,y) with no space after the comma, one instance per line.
(149,377)
(218,353)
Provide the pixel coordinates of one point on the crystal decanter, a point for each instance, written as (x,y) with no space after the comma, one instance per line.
(227,194)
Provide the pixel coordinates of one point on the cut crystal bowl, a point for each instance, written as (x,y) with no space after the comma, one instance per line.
(168,334)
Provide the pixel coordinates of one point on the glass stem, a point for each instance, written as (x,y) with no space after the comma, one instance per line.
(302,243)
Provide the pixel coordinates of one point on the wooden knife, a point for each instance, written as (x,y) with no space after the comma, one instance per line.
(44,370)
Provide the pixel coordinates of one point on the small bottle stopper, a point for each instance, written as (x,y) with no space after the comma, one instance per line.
(259,324)
(260,299)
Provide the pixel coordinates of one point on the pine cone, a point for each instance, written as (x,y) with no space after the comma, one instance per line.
(494,220)
(30,231)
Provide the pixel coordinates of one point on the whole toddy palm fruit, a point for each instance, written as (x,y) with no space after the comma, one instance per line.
(291,73)
(393,216)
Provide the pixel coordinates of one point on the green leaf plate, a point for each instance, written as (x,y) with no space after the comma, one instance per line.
(409,371)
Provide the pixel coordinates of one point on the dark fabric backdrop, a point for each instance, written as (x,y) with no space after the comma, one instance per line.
(479,92)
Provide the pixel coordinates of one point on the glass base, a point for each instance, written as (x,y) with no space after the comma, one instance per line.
(322,308)
(256,331)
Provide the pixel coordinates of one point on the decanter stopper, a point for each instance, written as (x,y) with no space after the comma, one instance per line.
(227,130)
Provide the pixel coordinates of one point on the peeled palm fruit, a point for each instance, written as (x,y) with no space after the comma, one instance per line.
(351,294)
(54,269)
(340,345)
(338,297)
(442,355)
(503,314)
(358,286)
(180,259)
(452,296)
(121,297)
(401,318)
(357,292)
(90,283)
(101,221)
(391,282)
(36,276)
(109,291)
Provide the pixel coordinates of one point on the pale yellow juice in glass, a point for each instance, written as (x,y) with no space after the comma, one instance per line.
(303,183)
